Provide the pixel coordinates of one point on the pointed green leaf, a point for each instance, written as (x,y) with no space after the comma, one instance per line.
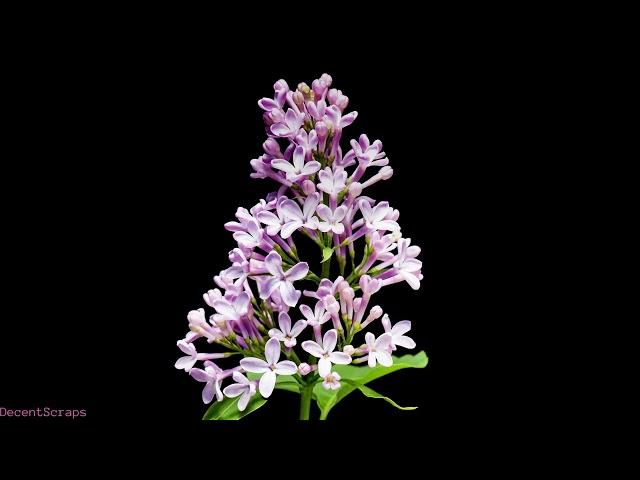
(371,393)
(362,375)
(326,254)
(227,409)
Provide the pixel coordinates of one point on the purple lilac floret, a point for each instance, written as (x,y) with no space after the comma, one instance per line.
(266,316)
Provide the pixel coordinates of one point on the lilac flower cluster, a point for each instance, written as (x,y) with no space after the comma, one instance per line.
(259,310)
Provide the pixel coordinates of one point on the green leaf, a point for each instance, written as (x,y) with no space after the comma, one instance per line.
(227,409)
(327,399)
(371,393)
(326,254)
(283,382)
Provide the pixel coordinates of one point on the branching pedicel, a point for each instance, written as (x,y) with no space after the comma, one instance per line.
(260,315)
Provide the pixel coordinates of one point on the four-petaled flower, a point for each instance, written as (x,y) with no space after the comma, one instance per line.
(250,238)
(286,333)
(231,310)
(331,219)
(317,317)
(374,217)
(297,218)
(379,349)
(281,280)
(331,381)
(244,388)
(298,169)
(369,154)
(291,125)
(332,182)
(211,377)
(397,332)
(269,369)
(407,265)
(325,352)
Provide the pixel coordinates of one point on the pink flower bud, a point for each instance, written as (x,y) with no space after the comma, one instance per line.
(308,187)
(304,369)
(386,173)
(271,147)
(298,99)
(348,349)
(355,189)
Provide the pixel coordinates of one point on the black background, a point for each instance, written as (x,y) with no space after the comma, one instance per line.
(124,161)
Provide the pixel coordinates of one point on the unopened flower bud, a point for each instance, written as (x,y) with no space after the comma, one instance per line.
(326,78)
(304,369)
(386,173)
(271,147)
(308,187)
(298,99)
(348,349)
(355,189)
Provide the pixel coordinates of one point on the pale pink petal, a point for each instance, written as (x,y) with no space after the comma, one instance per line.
(411,265)
(298,327)
(266,286)
(276,333)
(312,348)
(273,263)
(369,338)
(286,367)
(234,390)
(384,358)
(241,303)
(401,328)
(310,168)
(310,205)
(298,158)
(267,383)
(272,351)
(324,212)
(244,401)
(297,272)
(411,279)
(329,340)
(290,342)
(404,341)
(245,239)
(223,307)
(185,363)
(289,294)
(200,375)
(268,218)
(240,378)
(324,367)
(324,226)
(387,225)
(383,342)
(290,227)
(371,360)
(284,320)
(254,365)
(306,311)
(340,358)
(208,392)
(187,348)
(291,210)
(338,228)
(279,129)
(283,165)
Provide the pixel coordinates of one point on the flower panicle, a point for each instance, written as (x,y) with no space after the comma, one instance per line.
(258,310)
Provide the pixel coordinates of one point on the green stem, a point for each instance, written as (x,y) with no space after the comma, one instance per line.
(306,393)
(325,269)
